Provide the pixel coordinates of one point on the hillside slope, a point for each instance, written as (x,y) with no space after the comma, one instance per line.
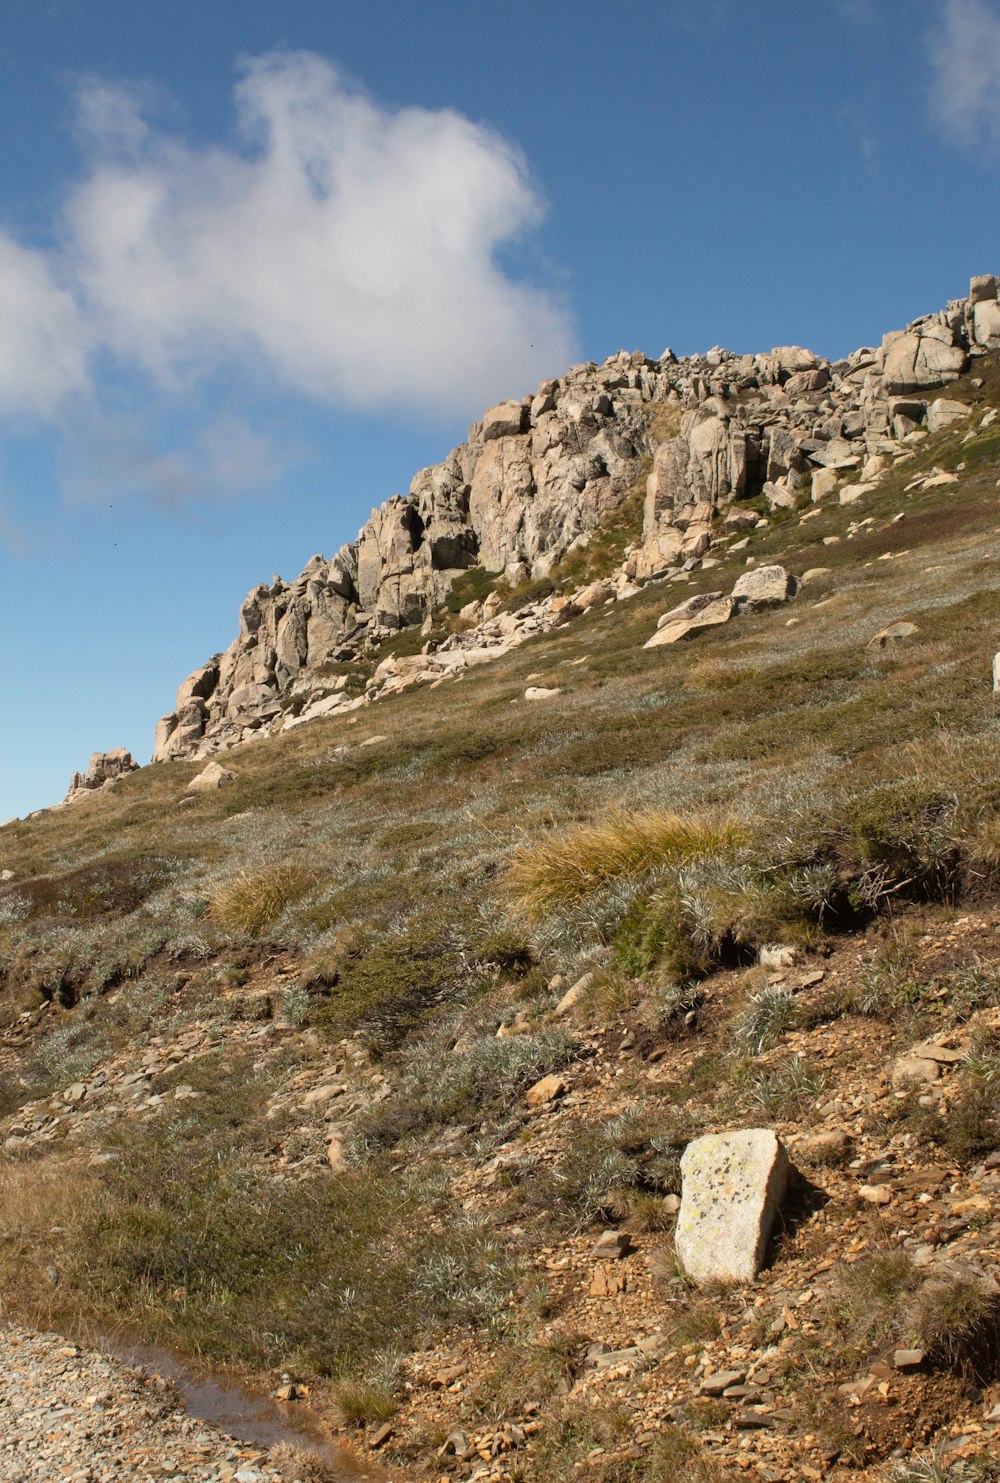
(276,1057)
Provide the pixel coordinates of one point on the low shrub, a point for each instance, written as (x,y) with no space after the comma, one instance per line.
(190,1236)
(606,1168)
(782,1088)
(443,1084)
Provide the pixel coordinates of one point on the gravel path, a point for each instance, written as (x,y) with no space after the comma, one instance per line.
(72,1415)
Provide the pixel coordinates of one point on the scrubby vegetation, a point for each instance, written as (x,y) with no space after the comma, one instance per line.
(391,930)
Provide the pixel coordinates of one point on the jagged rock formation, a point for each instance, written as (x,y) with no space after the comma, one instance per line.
(536,477)
(103,771)
(533,478)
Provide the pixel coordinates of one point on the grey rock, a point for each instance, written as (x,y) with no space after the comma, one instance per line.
(922,358)
(103,771)
(611,1245)
(763,585)
(707,610)
(942,413)
(733,1184)
(211,778)
(504,421)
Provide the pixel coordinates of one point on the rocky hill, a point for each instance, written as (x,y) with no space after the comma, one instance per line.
(565,1044)
(537,478)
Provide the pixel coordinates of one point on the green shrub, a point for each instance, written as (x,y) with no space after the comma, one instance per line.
(605,1167)
(193,1238)
(443,1086)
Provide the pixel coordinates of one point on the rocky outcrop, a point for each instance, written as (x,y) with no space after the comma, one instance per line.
(537,476)
(103,771)
(533,479)
(791,426)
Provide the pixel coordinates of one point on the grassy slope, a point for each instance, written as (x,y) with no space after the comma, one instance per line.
(388,935)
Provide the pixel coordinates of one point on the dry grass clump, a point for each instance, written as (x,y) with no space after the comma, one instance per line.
(665,422)
(359,1402)
(250,903)
(567,867)
(38,1201)
(303,1464)
(957,1320)
(883,1300)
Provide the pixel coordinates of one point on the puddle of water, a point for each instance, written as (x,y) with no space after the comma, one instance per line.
(216,1397)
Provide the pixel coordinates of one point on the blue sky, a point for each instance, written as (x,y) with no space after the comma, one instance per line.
(259,264)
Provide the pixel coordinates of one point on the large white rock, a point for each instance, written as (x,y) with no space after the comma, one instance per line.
(824,483)
(504,420)
(919,358)
(762,585)
(733,1185)
(210,778)
(104,771)
(942,412)
(986,322)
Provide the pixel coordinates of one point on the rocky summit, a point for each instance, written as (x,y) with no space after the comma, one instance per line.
(559,1042)
(537,477)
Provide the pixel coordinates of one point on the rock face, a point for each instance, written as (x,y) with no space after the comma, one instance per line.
(537,476)
(103,771)
(533,480)
(733,1184)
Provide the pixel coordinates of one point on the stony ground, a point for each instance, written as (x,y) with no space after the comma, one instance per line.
(71,1414)
(756,1373)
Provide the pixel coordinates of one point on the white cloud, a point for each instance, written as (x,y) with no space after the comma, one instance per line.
(44,338)
(965,54)
(342,251)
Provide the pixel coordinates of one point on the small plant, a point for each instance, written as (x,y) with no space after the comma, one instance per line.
(782,1089)
(697,1323)
(887,986)
(361,1402)
(610,1169)
(537,1369)
(251,903)
(973,987)
(957,1321)
(677,1455)
(935,1469)
(302,1464)
(762,1020)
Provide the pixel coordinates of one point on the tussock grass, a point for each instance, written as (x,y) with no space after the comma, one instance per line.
(565,867)
(359,1402)
(251,903)
(762,1019)
(957,1320)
